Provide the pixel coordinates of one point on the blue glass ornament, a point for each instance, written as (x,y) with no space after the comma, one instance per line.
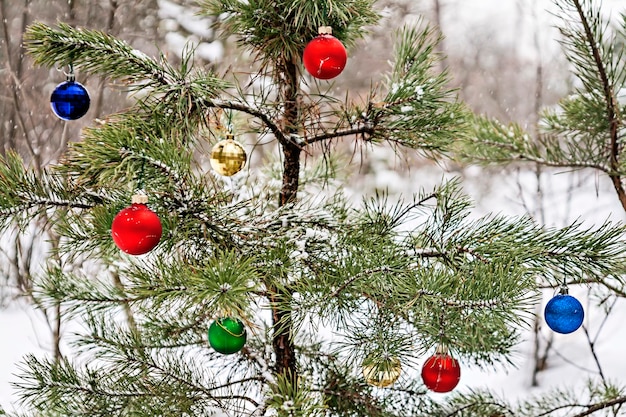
(564,313)
(70,100)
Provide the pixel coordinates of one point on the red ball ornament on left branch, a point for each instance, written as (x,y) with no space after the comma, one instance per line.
(325,57)
(136,229)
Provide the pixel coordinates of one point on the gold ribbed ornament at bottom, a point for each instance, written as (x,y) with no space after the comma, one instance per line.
(382,373)
(228,157)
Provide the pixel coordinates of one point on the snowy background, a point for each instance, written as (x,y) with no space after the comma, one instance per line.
(554,198)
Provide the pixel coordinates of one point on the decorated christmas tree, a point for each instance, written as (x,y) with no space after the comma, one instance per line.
(210,285)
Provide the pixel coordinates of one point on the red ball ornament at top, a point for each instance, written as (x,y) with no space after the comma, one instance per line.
(136,229)
(324,56)
(441,372)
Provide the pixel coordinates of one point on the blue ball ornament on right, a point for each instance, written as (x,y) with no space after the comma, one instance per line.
(564,313)
(70,100)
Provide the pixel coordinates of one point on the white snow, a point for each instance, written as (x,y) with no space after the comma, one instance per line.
(185,28)
(176,42)
(419,92)
(210,51)
(25,331)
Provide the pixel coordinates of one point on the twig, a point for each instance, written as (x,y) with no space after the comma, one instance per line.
(540,359)
(267,121)
(361,130)
(594,354)
(600,406)
(480,404)
(357,276)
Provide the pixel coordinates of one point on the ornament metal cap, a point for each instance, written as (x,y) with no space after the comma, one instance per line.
(325,30)
(441,349)
(139,199)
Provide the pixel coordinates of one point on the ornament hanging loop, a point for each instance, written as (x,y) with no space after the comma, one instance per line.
(441,349)
(442,325)
(563,289)
(229,125)
(140,189)
(69,74)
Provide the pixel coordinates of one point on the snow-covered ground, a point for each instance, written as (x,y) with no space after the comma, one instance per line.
(25,331)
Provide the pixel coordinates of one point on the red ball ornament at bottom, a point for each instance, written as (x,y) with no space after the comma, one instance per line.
(324,56)
(136,229)
(441,372)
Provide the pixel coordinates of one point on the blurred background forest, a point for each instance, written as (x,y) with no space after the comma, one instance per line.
(504,59)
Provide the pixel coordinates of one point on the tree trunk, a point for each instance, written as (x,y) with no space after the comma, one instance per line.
(283,326)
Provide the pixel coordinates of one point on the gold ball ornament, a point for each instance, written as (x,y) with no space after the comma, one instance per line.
(382,373)
(228,157)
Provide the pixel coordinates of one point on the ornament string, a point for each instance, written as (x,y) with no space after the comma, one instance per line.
(229,123)
(69,75)
(441,326)
(230,136)
(140,176)
(564,289)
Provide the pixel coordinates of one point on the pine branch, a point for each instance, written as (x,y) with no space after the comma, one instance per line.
(573,164)
(612,108)
(590,408)
(362,274)
(42,204)
(553,403)
(494,142)
(364,131)
(278,133)
(97,52)
(419,110)
(29,194)
(585,131)
(92,51)
(277,31)
(481,405)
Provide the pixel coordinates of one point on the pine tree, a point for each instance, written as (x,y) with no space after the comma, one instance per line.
(332,296)
(586,130)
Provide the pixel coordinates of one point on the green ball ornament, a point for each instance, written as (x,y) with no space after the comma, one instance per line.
(227,335)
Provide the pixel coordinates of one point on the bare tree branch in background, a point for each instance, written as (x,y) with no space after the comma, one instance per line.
(29,127)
